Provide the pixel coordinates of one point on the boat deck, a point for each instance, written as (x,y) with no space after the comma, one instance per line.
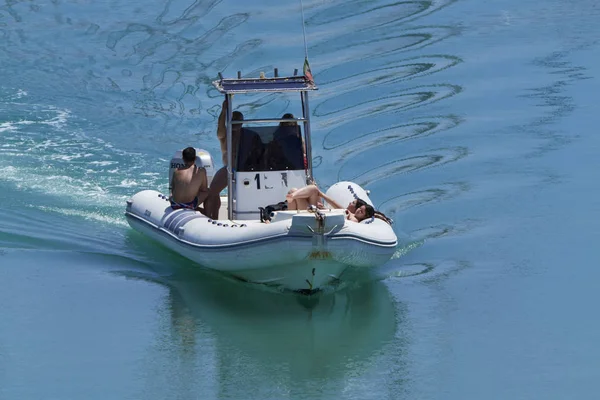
(284,214)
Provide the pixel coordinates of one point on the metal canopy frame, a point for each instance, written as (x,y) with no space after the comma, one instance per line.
(251,85)
(229,87)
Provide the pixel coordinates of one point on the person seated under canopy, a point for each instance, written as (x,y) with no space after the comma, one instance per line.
(287,150)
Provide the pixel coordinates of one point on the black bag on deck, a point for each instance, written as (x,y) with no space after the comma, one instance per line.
(265,212)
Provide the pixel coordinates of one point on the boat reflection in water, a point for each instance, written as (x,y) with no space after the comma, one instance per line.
(248,339)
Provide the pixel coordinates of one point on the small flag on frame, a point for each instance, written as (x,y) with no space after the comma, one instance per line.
(307,71)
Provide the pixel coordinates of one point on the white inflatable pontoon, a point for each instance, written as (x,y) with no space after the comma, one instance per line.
(297,250)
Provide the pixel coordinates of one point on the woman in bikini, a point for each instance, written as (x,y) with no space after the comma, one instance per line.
(357,203)
(301,199)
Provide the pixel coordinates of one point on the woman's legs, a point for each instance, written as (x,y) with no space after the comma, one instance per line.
(212,204)
(292,204)
(300,199)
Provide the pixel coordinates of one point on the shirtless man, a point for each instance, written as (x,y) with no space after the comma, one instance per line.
(189,183)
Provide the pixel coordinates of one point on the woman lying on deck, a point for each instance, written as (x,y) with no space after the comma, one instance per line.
(356,203)
(301,199)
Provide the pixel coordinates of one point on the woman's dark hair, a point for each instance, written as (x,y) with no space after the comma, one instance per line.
(360,202)
(370,211)
(382,216)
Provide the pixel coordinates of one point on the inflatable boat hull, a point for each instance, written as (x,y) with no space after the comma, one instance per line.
(298,250)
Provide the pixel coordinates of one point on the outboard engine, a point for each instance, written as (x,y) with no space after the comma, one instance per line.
(203,160)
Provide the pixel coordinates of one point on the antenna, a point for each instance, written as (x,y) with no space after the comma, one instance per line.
(304,30)
(306,67)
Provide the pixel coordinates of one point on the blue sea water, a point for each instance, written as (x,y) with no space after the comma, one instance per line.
(474,125)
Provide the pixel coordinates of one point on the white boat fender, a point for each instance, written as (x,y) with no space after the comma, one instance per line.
(345,192)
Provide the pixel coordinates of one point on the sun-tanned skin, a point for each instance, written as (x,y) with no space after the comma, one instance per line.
(301,199)
(219,182)
(189,182)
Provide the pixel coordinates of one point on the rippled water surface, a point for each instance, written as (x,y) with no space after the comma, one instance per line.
(474,125)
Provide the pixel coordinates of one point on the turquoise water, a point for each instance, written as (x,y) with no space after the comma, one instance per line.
(472,123)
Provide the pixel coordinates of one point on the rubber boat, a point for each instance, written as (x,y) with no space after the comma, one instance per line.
(299,250)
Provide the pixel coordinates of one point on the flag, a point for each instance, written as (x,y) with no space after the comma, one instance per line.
(307,72)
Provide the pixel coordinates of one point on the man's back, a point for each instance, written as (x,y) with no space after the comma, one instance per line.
(187,183)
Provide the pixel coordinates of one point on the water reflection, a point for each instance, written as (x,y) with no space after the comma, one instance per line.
(384,130)
(555,100)
(256,334)
(359,73)
(415,269)
(426,272)
(395,205)
(381,99)
(356,11)
(434,158)
(177,11)
(283,340)
(380,41)
(443,230)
